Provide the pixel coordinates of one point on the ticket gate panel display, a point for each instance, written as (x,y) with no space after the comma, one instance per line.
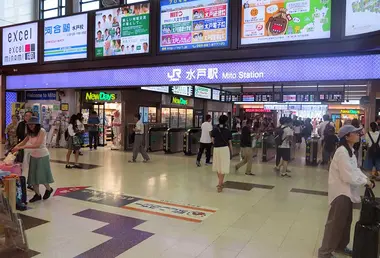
(173,140)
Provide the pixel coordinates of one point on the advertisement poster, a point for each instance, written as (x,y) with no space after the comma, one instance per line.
(163,89)
(182,90)
(268,21)
(122,31)
(202,92)
(216,94)
(362,16)
(20,44)
(193,24)
(65,38)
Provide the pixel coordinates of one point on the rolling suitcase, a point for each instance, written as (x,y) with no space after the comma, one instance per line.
(366,241)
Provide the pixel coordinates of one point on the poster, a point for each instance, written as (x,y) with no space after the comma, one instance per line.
(65,38)
(20,44)
(268,21)
(202,92)
(362,16)
(193,24)
(122,31)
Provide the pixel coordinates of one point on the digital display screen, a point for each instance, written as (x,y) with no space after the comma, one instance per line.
(289,98)
(264,97)
(20,44)
(193,24)
(362,16)
(216,94)
(268,21)
(248,98)
(331,97)
(182,90)
(202,92)
(122,30)
(162,89)
(305,97)
(65,38)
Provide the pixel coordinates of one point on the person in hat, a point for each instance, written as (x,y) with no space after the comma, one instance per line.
(345,182)
(39,162)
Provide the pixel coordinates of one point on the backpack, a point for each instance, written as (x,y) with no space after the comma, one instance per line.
(278,133)
(329,130)
(374,150)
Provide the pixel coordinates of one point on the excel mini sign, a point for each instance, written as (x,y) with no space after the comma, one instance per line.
(100,96)
(179,101)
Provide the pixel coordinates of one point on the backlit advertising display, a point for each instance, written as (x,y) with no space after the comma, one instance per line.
(193,24)
(362,16)
(268,21)
(20,44)
(122,30)
(65,38)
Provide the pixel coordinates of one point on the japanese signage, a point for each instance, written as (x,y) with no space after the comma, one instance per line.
(122,31)
(257,110)
(20,44)
(202,92)
(179,101)
(100,96)
(331,97)
(350,111)
(182,90)
(163,89)
(65,38)
(41,95)
(215,94)
(284,20)
(362,16)
(64,107)
(248,98)
(360,67)
(193,24)
(289,97)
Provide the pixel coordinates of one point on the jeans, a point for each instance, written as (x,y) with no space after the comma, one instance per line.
(202,147)
(326,156)
(93,138)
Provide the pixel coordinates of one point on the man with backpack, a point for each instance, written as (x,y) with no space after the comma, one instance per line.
(283,135)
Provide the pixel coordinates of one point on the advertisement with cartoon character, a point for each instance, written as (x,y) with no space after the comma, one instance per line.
(284,20)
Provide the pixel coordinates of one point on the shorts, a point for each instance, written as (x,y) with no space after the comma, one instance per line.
(284,153)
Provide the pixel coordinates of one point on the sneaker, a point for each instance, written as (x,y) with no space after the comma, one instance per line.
(36,198)
(131,161)
(80,154)
(285,175)
(347,251)
(47,194)
(208,163)
(146,160)
(198,163)
(69,167)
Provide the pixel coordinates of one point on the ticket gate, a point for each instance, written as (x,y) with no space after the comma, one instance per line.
(173,140)
(268,147)
(235,144)
(156,138)
(191,141)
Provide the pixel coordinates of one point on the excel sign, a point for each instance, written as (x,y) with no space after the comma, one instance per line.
(100,96)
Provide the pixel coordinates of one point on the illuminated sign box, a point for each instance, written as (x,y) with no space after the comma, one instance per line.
(179,101)
(100,96)
(350,111)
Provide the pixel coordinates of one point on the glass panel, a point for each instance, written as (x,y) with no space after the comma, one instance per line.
(90,6)
(50,4)
(63,2)
(174,117)
(63,11)
(152,115)
(189,118)
(50,14)
(165,116)
(182,118)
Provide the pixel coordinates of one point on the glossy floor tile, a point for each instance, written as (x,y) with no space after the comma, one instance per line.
(170,208)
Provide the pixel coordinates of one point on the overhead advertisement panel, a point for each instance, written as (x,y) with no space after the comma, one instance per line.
(122,31)
(20,44)
(193,24)
(65,38)
(269,21)
(362,16)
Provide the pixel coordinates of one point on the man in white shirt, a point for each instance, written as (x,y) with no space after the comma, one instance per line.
(138,146)
(205,142)
(283,150)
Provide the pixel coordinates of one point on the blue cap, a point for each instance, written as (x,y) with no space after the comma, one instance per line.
(346,129)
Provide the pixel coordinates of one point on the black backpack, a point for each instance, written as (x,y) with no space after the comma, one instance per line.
(374,150)
(329,130)
(278,133)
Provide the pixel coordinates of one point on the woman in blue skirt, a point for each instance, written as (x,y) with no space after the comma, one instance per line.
(39,162)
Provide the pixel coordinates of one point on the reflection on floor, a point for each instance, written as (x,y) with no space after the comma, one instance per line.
(170,208)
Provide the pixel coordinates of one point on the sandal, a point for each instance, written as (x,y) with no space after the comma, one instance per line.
(219,188)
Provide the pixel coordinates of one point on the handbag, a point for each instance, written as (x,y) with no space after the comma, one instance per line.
(370,212)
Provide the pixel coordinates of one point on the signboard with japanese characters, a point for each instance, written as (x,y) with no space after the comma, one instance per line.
(122,30)
(193,24)
(182,90)
(215,94)
(163,89)
(202,92)
(65,38)
(20,44)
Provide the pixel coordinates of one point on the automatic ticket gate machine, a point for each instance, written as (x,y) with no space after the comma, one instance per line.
(173,140)
(191,141)
(156,138)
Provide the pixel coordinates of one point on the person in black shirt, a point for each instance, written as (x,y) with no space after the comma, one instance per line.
(246,148)
(329,147)
(221,138)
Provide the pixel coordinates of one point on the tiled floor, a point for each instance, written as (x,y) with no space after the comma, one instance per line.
(179,213)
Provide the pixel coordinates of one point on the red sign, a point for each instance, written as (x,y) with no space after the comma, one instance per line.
(65,190)
(257,110)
